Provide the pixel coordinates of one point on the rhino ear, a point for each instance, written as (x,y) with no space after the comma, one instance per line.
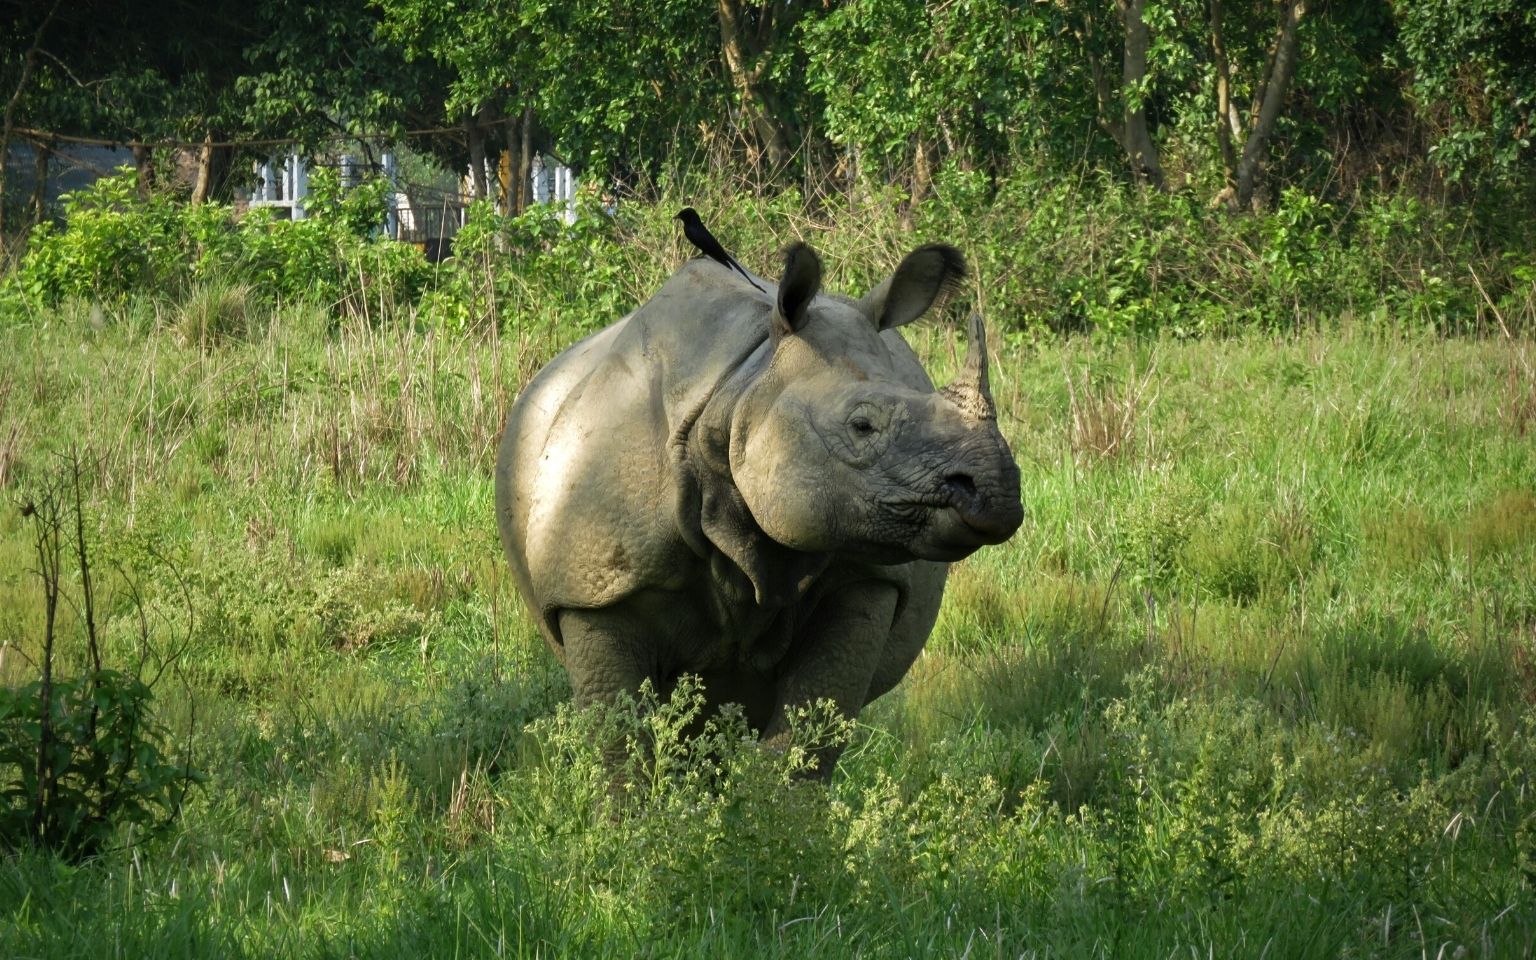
(924,280)
(797,288)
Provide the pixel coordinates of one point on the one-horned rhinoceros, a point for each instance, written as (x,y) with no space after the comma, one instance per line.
(762,489)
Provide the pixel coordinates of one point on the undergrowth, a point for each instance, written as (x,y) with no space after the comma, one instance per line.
(1048,253)
(1255,677)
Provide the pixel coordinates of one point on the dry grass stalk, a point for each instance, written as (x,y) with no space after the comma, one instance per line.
(10,451)
(10,436)
(1519,402)
(1105,417)
(1519,406)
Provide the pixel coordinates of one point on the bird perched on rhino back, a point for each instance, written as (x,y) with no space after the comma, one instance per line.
(700,237)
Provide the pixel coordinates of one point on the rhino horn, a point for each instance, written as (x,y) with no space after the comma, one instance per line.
(970,390)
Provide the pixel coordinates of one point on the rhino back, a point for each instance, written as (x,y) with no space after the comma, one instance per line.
(586,497)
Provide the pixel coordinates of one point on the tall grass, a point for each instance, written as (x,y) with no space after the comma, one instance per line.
(1255,678)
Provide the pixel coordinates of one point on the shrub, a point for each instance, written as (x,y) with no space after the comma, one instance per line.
(515,272)
(1049,252)
(116,244)
(80,757)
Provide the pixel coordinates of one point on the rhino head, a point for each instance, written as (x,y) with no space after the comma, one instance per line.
(838,443)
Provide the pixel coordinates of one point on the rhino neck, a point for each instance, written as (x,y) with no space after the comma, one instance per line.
(745,563)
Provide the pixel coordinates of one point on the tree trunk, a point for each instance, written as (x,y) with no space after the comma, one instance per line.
(1126,125)
(476,139)
(38,208)
(1137,142)
(1268,101)
(144,167)
(1107,114)
(1225,114)
(924,156)
(28,64)
(746,58)
(202,183)
(504,202)
(525,160)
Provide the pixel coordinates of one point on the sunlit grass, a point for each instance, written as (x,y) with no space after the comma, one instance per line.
(1256,674)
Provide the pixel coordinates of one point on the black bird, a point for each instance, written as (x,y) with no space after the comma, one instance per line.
(699,236)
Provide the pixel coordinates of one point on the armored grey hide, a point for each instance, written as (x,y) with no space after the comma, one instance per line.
(760,489)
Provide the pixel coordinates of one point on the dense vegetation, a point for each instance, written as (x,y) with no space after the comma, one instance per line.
(1127,165)
(1257,674)
(1233,100)
(1257,677)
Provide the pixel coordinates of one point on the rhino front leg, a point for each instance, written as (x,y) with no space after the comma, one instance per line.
(836,656)
(606,657)
(605,654)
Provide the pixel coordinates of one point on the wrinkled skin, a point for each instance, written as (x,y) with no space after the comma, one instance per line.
(761,489)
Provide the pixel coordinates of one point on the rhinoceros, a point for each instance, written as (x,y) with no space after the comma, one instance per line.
(763,489)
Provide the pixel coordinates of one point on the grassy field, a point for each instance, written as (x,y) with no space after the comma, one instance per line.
(1256,678)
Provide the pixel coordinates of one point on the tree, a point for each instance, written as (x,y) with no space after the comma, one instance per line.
(907,85)
(22,32)
(318,69)
(1129,128)
(755,39)
(1473,84)
(1122,94)
(1242,169)
(136,74)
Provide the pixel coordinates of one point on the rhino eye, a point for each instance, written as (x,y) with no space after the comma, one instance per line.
(861,426)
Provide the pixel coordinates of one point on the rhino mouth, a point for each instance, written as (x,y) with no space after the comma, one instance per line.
(994,519)
(958,518)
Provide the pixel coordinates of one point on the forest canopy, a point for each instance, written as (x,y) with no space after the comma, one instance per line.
(1233,99)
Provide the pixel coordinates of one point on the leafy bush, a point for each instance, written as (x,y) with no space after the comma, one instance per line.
(116,244)
(512,272)
(1050,252)
(82,757)
(693,803)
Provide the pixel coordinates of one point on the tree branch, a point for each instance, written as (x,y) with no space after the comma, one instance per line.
(1277,83)
(28,64)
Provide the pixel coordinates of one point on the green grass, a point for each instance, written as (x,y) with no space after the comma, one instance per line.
(1256,678)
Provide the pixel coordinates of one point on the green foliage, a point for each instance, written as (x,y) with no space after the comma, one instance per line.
(356,211)
(1474,85)
(994,79)
(1048,253)
(307,67)
(500,59)
(116,243)
(1384,93)
(531,271)
(82,758)
(1262,680)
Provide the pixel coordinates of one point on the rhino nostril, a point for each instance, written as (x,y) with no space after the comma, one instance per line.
(960,485)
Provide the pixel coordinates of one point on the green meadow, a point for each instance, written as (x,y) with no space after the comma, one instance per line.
(1256,678)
